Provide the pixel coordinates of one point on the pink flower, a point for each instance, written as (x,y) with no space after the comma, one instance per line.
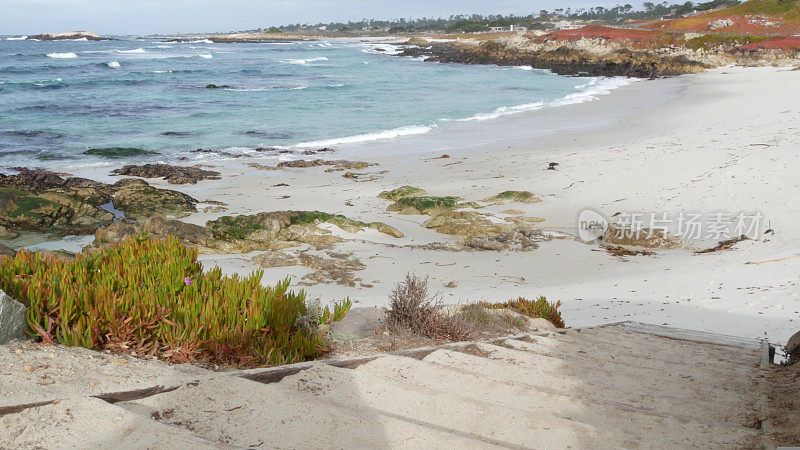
(187,280)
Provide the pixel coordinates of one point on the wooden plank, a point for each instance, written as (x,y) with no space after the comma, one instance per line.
(690,335)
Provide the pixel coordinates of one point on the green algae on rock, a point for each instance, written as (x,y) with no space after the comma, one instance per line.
(118,152)
(265,229)
(402,192)
(138,199)
(514,196)
(43,201)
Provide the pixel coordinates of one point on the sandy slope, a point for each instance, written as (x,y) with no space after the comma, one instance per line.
(666,145)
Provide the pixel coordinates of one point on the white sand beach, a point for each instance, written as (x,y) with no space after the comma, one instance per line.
(724,140)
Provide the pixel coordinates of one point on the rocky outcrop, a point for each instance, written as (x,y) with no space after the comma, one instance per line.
(332,267)
(281,229)
(156,227)
(40,200)
(12,319)
(172,174)
(137,199)
(642,238)
(563,57)
(337,164)
(273,230)
(69,35)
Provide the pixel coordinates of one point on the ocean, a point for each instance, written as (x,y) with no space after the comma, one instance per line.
(59,99)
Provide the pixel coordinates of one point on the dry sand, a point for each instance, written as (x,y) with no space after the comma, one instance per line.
(725,140)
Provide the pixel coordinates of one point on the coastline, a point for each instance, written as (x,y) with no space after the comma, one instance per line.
(648,146)
(663,137)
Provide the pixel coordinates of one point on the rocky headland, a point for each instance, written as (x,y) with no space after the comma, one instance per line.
(605,51)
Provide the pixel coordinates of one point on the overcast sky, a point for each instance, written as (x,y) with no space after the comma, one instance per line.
(172,16)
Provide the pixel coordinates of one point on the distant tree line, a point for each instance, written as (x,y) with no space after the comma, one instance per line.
(541,20)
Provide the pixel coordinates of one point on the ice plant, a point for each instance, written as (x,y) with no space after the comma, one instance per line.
(151,297)
(532,308)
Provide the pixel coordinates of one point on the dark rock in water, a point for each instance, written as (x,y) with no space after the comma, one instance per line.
(69,35)
(271,135)
(39,200)
(118,152)
(214,86)
(173,174)
(177,133)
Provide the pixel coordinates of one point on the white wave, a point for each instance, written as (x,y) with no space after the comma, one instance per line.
(524,67)
(592,89)
(206,56)
(587,92)
(303,62)
(68,55)
(114,65)
(324,44)
(138,50)
(379,135)
(501,111)
(251,89)
(381,49)
(201,41)
(162,71)
(18,38)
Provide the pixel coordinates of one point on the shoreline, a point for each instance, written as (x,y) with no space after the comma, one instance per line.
(587,282)
(669,136)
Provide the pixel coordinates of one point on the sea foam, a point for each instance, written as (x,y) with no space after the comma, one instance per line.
(366,137)
(68,55)
(305,61)
(114,65)
(137,50)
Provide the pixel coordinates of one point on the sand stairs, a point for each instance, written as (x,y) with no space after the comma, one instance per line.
(593,388)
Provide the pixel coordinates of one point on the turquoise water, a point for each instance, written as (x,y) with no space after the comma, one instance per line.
(58,99)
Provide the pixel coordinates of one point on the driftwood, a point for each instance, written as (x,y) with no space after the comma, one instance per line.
(618,250)
(773,260)
(724,245)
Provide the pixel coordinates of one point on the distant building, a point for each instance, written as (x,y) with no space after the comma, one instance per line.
(497,29)
(323,28)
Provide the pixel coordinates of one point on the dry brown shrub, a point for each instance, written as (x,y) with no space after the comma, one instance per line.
(413,309)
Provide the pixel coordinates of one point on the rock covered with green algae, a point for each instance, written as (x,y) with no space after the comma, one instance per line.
(273,230)
(44,201)
(476,230)
(137,199)
(262,230)
(514,196)
(402,192)
(118,152)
